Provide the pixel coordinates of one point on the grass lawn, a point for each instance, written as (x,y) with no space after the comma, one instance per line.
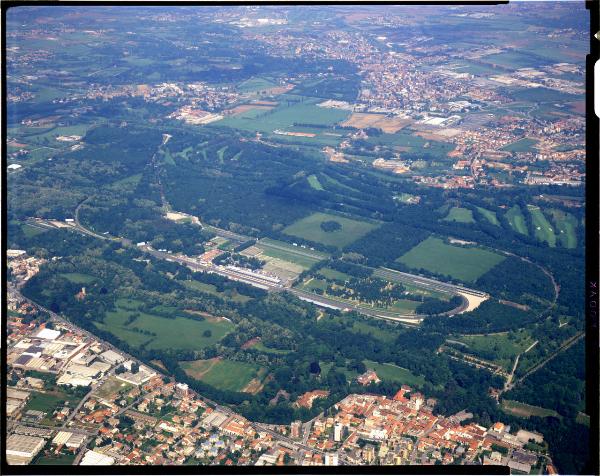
(63,459)
(79,278)
(333,274)
(222,374)
(542,228)
(178,333)
(293,254)
(517,220)
(284,116)
(313,181)
(497,348)
(459,214)
(30,231)
(522,145)
(46,402)
(466,264)
(255,84)
(565,226)
(393,373)
(384,335)
(524,410)
(489,215)
(113,385)
(212,289)
(309,228)
(269,350)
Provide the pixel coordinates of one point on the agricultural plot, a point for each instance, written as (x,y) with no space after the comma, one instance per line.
(461,215)
(543,230)
(489,215)
(466,264)
(393,373)
(309,228)
(565,226)
(222,374)
(517,220)
(158,332)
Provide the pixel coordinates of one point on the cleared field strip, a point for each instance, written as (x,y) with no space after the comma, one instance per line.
(524,410)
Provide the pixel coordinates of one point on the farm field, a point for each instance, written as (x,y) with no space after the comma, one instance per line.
(309,228)
(565,226)
(159,332)
(466,264)
(222,374)
(459,214)
(489,215)
(543,230)
(517,220)
(522,145)
(524,410)
(393,373)
(501,349)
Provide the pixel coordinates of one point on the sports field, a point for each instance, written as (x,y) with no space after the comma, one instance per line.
(466,264)
(565,226)
(222,374)
(393,373)
(309,228)
(517,220)
(163,333)
(459,214)
(543,230)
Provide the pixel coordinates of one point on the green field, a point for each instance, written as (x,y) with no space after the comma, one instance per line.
(459,214)
(543,230)
(466,264)
(30,231)
(46,402)
(79,278)
(517,220)
(222,374)
(212,289)
(501,349)
(178,333)
(313,181)
(489,216)
(522,145)
(393,373)
(309,228)
(524,410)
(284,116)
(565,226)
(333,274)
(269,350)
(255,84)
(62,460)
